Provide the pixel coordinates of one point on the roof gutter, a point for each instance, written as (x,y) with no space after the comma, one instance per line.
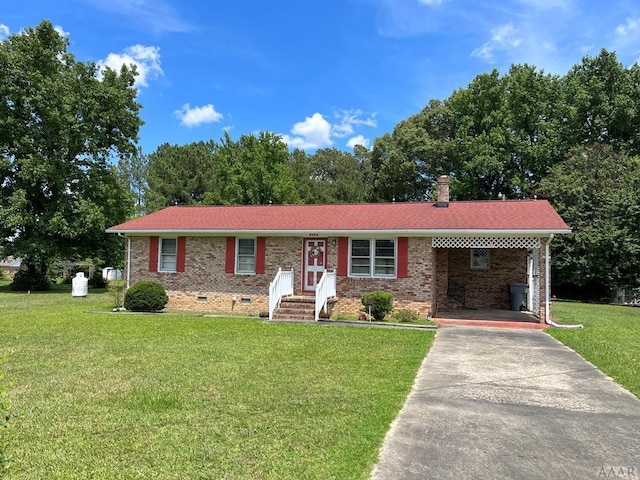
(342,233)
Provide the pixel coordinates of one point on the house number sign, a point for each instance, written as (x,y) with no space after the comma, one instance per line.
(314,234)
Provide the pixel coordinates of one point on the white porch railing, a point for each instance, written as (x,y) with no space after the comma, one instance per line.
(325,289)
(281,286)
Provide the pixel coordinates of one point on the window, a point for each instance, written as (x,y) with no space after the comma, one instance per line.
(373,258)
(168,254)
(246,255)
(479,258)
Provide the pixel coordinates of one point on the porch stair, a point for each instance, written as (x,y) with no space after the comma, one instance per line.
(297,307)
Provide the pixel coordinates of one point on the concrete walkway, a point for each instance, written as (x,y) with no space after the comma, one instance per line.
(494,403)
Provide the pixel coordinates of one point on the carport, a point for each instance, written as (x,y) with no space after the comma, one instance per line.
(473,275)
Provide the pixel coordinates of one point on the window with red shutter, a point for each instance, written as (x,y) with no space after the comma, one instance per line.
(343,256)
(403,257)
(153,253)
(182,254)
(230,257)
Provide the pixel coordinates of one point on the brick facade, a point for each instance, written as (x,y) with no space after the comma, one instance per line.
(204,286)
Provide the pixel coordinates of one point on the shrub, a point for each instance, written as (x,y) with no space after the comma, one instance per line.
(378,304)
(97,281)
(24,281)
(145,296)
(116,291)
(405,316)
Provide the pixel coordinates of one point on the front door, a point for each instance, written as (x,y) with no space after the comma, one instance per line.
(314,262)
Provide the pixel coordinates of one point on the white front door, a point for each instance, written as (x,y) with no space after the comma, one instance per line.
(314,262)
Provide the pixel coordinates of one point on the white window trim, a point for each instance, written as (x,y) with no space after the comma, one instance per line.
(372,258)
(255,255)
(480,267)
(160,255)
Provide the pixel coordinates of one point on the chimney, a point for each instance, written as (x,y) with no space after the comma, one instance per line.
(443,191)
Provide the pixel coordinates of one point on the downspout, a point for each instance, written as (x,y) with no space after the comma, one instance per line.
(547,288)
(128,258)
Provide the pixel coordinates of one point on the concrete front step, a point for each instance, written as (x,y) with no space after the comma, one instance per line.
(297,308)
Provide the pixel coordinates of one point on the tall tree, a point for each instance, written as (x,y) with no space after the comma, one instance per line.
(332,176)
(601,101)
(60,122)
(597,192)
(254,170)
(134,170)
(180,174)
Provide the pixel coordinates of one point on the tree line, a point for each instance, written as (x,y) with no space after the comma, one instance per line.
(70,165)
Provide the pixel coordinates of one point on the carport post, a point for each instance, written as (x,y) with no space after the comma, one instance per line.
(547,279)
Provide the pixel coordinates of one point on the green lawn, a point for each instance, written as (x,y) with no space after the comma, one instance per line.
(610,339)
(159,397)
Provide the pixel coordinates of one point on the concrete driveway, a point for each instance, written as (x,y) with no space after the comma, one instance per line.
(493,403)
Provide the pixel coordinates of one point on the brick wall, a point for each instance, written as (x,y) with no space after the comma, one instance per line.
(483,288)
(413,292)
(204,285)
(205,276)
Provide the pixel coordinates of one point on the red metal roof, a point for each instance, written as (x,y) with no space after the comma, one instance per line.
(535,216)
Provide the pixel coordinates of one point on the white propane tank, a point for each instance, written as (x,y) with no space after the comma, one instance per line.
(79,285)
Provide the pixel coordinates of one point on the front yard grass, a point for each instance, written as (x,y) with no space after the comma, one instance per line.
(610,339)
(174,397)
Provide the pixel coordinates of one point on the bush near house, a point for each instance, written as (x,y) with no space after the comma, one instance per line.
(145,296)
(116,289)
(405,315)
(378,304)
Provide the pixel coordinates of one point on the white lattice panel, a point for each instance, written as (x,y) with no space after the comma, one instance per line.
(486,242)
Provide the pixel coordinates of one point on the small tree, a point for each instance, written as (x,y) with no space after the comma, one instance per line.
(378,304)
(116,290)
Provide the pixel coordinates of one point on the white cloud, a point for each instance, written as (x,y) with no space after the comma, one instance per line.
(431,3)
(313,132)
(317,132)
(347,120)
(358,140)
(146,59)
(157,15)
(61,31)
(502,38)
(196,116)
(632,25)
(4,31)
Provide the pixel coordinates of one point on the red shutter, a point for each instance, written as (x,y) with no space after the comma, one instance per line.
(343,256)
(403,257)
(153,253)
(182,254)
(260,254)
(230,258)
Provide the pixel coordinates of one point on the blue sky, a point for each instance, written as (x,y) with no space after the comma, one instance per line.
(322,73)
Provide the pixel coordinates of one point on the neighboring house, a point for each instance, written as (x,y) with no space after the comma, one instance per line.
(432,256)
(10,265)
